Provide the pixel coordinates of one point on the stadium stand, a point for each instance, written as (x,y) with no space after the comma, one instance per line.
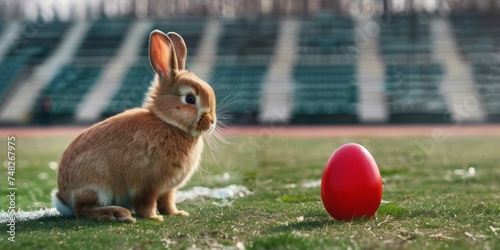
(244,51)
(73,82)
(371,106)
(132,90)
(2,25)
(103,39)
(8,31)
(38,46)
(113,73)
(139,76)
(240,84)
(406,39)
(28,51)
(206,52)
(67,89)
(457,85)
(412,75)
(477,36)
(487,79)
(478,39)
(18,108)
(415,90)
(325,80)
(409,73)
(276,99)
(9,70)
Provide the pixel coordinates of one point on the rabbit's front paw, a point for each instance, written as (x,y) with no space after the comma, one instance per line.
(156,217)
(180,213)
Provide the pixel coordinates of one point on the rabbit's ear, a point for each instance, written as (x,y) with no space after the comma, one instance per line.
(161,54)
(179,48)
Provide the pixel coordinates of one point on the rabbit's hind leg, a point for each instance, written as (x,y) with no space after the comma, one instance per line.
(86,205)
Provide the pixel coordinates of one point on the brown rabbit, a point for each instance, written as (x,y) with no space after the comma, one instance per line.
(139,158)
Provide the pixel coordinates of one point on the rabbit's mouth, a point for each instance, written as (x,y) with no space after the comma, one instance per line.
(212,128)
(205,125)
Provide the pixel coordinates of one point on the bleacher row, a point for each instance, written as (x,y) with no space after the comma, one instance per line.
(24,55)
(325,81)
(478,37)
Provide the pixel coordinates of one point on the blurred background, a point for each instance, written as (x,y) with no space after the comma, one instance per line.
(69,62)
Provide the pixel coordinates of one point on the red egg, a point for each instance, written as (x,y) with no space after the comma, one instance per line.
(351,186)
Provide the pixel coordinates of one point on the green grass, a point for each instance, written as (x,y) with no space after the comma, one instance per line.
(431,208)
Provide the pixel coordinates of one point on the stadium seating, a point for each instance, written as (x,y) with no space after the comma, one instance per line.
(487,79)
(248,38)
(326,35)
(132,89)
(244,51)
(29,51)
(413,93)
(9,70)
(42,40)
(325,79)
(138,78)
(102,39)
(477,36)
(412,76)
(415,89)
(68,88)
(2,25)
(325,94)
(238,89)
(478,39)
(406,37)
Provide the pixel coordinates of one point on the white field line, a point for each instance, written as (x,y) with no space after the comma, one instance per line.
(229,192)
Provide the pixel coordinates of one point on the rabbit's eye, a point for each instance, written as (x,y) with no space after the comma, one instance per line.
(190,98)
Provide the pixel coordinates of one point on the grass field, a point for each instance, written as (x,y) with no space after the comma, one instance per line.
(432,203)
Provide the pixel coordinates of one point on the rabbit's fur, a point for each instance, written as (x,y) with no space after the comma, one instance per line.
(139,158)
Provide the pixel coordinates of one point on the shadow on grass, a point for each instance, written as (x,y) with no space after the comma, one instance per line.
(306,225)
(59,222)
(314,222)
(283,241)
(323,220)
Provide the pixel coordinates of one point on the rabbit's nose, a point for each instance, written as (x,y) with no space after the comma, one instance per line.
(212,121)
